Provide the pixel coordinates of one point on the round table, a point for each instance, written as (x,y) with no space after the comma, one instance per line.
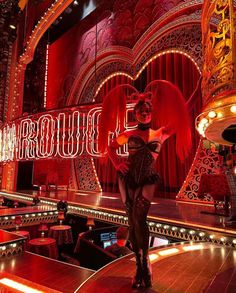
(44,246)
(61,233)
(24,234)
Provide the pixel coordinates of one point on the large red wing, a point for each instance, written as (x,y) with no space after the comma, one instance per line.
(113,112)
(169,109)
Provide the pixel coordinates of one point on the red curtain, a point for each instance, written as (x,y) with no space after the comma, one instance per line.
(181,71)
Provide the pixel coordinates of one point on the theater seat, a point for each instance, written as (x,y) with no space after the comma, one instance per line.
(92,256)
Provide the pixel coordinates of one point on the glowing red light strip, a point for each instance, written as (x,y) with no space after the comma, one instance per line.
(46,79)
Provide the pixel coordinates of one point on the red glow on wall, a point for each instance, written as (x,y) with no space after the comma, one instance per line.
(52,171)
(69,54)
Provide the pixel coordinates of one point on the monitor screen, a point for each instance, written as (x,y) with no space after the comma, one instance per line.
(106,243)
(108,239)
(156,241)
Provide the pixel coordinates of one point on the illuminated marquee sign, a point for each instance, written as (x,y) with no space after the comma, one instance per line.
(65,134)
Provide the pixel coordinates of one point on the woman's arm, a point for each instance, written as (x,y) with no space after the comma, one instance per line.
(112,148)
(164,133)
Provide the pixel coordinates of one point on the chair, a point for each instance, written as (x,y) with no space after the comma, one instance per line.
(91,255)
(215,185)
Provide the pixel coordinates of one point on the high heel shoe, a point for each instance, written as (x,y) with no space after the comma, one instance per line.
(147,272)
(137,280)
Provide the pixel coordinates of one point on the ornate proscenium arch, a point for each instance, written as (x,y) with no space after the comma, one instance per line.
(166,34)
(178,29)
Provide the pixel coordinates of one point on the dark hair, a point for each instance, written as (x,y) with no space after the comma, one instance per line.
(122,232)
(141,103)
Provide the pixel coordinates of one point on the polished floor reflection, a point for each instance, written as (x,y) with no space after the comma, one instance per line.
(183,268)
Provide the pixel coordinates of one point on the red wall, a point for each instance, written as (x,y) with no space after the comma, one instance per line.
(55,171)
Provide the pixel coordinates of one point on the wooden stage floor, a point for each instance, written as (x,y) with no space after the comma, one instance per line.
(161,208)
(180,268)
(191,269)
(39,270)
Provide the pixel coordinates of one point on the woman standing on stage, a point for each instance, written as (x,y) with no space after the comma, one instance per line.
(137,175)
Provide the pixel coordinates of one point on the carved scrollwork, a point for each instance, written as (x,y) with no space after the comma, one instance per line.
(218,45)
(186,39)
(12,249)
(205,162)
(86,174)
(28,221)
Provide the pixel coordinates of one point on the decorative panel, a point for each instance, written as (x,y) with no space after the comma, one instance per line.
(205,162)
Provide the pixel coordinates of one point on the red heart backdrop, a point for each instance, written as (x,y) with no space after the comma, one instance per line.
(181,71)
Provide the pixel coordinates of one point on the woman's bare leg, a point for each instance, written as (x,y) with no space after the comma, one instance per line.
(122,189)
(128,198)
(141,207)
(148,191)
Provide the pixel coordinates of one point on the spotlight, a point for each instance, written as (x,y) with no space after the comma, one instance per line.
(233,109)
(12,26)
(234,170)
(75,3)
(212,114)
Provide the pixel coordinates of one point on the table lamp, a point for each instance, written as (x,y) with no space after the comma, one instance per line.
(15,204)
(18,222)
(90,223)
(43,228)
(61,216)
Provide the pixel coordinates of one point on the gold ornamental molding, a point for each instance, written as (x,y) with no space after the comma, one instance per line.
(218,47)
(43,24)
(219,71)
(40,28)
